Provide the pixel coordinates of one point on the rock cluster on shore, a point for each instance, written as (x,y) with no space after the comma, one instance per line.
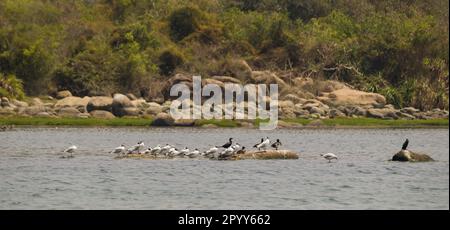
(296,100)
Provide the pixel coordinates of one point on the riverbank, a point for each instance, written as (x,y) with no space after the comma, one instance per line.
(288,123)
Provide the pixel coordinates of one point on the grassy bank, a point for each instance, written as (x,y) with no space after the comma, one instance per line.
(337,122)
(35,121)
(372,122)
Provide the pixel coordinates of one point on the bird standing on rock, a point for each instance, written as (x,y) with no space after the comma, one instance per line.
(264,145)
(277,144)
(228,144)
(405,144)
(256,145)
(119,150)
(329,156)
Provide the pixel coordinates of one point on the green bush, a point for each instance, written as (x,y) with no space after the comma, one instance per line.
(169,60)
(183,22)
(11,87)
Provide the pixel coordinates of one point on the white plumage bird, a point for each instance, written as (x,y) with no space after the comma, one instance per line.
(264,145)
(119,150)
(329,156)
(71,150)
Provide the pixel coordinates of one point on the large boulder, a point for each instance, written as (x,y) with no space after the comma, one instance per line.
(163,119)
(68,112)
(409,110)
(31,110)
(6,111)
(4,102)
(347,96)
(375,113)
(36,102)
(335,113)
(76,102)
(383,113)
(409,156)
(154,109)
(18,103)
(63,94)
(121,105)
(100,103)
(102,114)
(177,79)
(267,77)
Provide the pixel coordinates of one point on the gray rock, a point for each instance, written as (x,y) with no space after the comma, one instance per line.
(405,116)
(317,110)
(409,156)
(36,102)
(44,115)
(31,110)
(154,110)
(131,111)
(68,112)
(100,103)
(131,96)
(6,112)
(119,105)
(102,114)
(336,113)
(72,102)
(4,102)
(163,119)
(294,98)
(389,106)
(19,103)
(409,110)
(63,94)
(4,99)
(374,113)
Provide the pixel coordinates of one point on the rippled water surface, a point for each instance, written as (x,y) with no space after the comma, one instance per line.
(32,176)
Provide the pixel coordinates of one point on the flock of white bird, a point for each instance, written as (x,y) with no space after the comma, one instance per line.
(225,151)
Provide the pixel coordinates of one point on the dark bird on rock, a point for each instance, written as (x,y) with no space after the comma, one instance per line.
(228,144)
(256,145)
(276,145)
(241,151)
(405,145)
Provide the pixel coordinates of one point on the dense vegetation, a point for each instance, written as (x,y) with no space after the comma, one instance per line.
(398,48)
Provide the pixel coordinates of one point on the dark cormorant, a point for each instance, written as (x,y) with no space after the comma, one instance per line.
(227,145)
(405,145)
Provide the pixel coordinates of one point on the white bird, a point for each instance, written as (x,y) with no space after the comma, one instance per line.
(119,150)
(264,145)
(329,156)
(165,149)
(211,151)
(172,152)
(184,151)
(147,151)
(156,150)
(227,152)
(71,150)
(193,154)
(141,147)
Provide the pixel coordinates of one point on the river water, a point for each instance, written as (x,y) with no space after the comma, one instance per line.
(32,176)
